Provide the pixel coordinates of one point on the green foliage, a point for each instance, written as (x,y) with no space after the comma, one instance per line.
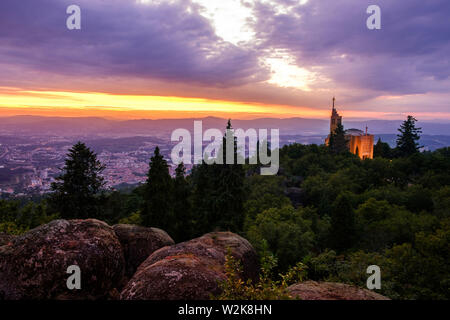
(381,225)
(342,233)
(416,270)
(321,266)
(157,210)
(266,288)
(12,228)
(288,234)
(441,201)
(338,143)
(134,218)
(76,193)
(352,269)
(427,265)
(16,219)
(120,205)
(219,193)
(382,150)
(407,139)
(264,192)
(184,224)
(255,169)
(419,199)
(389,211)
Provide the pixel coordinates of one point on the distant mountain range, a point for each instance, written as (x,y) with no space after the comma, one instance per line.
(36,125)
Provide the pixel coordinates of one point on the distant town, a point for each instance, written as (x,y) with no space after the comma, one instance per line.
(31,158)
(29,167)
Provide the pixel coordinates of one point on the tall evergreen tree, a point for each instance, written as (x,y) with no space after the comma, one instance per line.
(382,150)
(407,140)
(219,191)
(158,205)
(264,144)
(338,143)
(203,197)
(77,191)
(256,168)
(184,224)
(231,194)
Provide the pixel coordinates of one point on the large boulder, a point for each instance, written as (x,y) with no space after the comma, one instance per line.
(34,265)
(191,269)
(214,247)
(312,290)
(180,277)
(5,238)
(138,243)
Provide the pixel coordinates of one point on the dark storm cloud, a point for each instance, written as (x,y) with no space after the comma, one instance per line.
(410,54)
(169,41)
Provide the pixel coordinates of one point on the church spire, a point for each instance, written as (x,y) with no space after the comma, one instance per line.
(336,119)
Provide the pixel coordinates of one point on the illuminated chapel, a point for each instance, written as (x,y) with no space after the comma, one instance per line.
(359,142)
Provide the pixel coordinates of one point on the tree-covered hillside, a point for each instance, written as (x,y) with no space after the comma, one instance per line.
(326,208)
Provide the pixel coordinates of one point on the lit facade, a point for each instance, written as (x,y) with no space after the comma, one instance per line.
(358,141)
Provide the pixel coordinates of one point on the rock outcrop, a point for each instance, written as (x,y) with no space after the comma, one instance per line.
(138,243)
(182,277)
(190,270)
(5,238)
(34,265)
(312,290)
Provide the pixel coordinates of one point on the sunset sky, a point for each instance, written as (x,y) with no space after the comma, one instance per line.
(237,58)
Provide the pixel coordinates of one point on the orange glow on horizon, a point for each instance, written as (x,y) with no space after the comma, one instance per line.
(62,103)
(14,101)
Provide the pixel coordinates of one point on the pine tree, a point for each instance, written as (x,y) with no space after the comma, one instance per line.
(77,192)
(407,140)
(231,194)
(184,227)
(265,144)
(158,202)
(203,197)
(337,142)
(219,192)
(382,150)
(256,168)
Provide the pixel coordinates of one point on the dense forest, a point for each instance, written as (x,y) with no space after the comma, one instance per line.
(326,209)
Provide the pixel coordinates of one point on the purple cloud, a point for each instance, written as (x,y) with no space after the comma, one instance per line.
(169,48)
(169,41)
(410,54)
